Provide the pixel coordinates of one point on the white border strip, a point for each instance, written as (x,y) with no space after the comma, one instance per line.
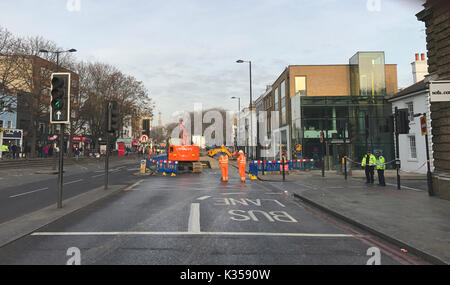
(192,233)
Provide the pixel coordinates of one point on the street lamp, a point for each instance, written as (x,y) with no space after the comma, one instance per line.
(251,102)
(239,116)
(61,141)
(58,52)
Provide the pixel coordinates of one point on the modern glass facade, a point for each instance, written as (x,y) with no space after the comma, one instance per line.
(361,120)
(367,74)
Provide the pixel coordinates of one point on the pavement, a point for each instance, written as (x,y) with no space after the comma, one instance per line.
(195,219)
(409,218)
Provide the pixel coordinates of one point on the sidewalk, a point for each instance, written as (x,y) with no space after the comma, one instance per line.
(410,219)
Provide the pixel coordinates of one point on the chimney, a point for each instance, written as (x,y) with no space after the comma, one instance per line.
(419,67)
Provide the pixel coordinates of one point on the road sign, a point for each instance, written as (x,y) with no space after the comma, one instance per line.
(60,98)
(423,125)
(144,139)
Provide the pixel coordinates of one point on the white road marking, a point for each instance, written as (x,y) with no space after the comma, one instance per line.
(194,219)
(23,194)
(72,182)
(204,198)
(194,233)
(233,193)
(98,175)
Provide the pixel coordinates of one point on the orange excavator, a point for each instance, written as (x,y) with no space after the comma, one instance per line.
(187,155)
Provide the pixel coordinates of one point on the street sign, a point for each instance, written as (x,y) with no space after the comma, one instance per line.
(423,125)
(144,139)
(60,98)
(439,91)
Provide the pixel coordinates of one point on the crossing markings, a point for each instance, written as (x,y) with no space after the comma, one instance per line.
(34,191)
(203,198)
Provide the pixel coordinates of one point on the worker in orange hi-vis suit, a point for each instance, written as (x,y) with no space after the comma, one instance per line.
(242,162)
(223,160)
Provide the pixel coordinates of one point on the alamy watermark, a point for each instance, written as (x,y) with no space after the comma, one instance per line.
(375,254)
(373,5)
(75,256)
(73,5)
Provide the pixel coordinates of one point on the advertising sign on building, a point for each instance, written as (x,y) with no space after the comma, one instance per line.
(440,91)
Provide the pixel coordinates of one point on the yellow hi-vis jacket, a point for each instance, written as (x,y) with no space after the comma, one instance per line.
(380,163)
(5,148)
(372,160)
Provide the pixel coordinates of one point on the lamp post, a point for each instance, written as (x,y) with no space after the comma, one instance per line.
(251,103)
(61,135)
(239,117)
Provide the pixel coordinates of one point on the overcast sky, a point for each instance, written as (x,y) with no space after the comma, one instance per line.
(185,50)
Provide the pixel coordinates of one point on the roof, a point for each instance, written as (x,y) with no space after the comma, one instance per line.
(416,87)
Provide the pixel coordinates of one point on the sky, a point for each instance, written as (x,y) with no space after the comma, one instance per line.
(185,51)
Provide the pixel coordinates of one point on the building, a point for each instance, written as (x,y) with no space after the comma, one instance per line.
(346,102)
(415,98)
(30,84)
(436,16)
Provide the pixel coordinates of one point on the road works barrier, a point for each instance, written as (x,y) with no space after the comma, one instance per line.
(276,167)
(164,167)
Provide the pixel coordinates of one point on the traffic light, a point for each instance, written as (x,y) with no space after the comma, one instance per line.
(350,131)
(146,126)
(340,133)
(112,119)
(60,98)
(402,121)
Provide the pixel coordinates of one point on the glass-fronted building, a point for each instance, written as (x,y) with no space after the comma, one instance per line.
(345,103)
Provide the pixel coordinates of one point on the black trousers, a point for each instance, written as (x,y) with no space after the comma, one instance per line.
(381,177)
(370,173)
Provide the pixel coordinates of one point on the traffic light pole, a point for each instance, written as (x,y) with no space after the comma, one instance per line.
(107,162)
(397,146)
(61,165)
(429,174)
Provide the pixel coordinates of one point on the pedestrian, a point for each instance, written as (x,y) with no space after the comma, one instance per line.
(368,162)
(14,151)
(381,167)
(5,150)
(242,162)
(223,160)
(50,150)
(46,150)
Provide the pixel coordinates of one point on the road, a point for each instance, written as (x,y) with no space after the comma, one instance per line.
(195,220)
(30,192)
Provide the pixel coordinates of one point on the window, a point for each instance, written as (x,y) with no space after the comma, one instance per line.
(283,103)
(412,147)
(9,124)
(410,106)
(275,94)
(1,124)
(300,85)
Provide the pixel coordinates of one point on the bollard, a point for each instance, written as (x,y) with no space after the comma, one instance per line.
(143,166)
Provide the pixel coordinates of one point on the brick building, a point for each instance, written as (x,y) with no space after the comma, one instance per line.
(436,16)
